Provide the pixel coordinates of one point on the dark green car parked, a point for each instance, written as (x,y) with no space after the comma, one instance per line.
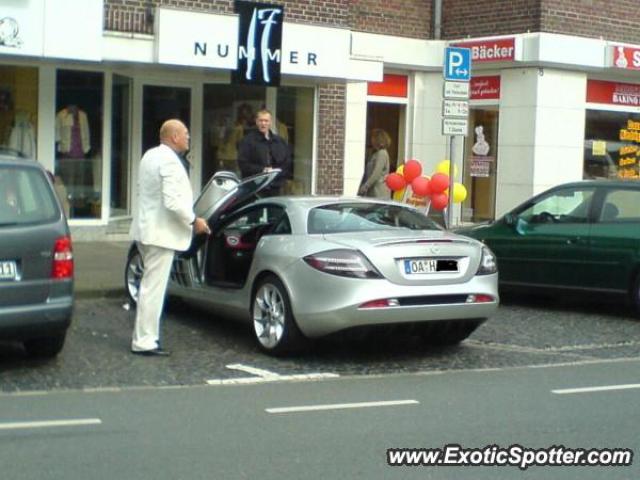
(581,236)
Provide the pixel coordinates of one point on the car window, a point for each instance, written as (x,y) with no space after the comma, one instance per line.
(25,197)
(620,206)
(357,217)
(560,206)
(268,218)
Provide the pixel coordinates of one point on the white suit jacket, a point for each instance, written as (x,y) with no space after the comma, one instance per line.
(164,212)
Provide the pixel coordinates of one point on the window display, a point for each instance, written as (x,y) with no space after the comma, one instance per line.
(19,108)
(78,137)
(612,145)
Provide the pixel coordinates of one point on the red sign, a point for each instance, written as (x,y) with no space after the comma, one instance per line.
(497,50)
(485,88)
(390,86)
(625,57)
(613,93)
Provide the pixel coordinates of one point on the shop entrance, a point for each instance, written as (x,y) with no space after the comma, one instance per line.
(389,117)
(481,165)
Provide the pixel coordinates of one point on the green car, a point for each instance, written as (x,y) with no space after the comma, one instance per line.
(582,236)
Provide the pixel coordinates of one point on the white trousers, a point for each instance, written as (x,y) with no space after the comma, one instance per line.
(157,267)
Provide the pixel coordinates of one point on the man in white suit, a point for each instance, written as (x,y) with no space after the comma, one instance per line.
(162,224)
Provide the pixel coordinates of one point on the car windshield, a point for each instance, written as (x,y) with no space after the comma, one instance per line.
(360,217)
(25,197)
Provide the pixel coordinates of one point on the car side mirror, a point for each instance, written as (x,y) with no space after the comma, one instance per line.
(510,220)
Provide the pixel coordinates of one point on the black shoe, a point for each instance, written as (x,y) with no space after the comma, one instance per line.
(156,352)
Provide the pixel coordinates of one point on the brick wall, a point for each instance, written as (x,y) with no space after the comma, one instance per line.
(610,19)
(403,18)
(331,119)
(137,15)
(477,18)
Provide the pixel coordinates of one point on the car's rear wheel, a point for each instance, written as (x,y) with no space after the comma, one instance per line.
(45,347)
(449,332)
(133,274)
(274,327)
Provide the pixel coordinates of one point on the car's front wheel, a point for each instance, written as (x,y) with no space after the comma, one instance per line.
(274,327)
(45,347)
(133,275)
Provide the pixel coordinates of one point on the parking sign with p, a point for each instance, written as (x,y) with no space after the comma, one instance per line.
(457,64)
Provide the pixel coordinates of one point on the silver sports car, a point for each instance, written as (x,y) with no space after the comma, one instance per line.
(304,267)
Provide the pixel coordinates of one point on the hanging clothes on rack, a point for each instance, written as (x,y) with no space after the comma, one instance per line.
(22,136)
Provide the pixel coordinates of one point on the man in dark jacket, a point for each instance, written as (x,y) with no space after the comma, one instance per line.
(262,150)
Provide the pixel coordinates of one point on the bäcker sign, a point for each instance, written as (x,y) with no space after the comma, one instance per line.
(625,57)
(492,50)
(613,93)
(259,43)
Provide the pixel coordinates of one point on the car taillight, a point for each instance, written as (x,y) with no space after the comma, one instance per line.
(62,258)
(344,263)
(487,262)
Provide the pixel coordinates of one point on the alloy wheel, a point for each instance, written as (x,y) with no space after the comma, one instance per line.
(269,315)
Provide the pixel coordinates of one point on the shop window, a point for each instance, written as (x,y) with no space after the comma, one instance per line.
(229,113)
(78,136)
(480,165)
(19,108)
(612,145)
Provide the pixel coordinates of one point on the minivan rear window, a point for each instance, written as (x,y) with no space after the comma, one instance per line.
(25,197)
(361,217)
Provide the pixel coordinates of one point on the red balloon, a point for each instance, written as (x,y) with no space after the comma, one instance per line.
(395,182)
(420,186)
(439,200)
(439,183)
(412,169)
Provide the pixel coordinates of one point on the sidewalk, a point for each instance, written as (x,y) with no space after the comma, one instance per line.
(99,268)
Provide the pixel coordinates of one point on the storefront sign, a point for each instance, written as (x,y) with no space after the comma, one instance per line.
(493,50)
(625,57)
(613,93)
(485,88)
(390,86)
(21,30)
(212,41)
(259,43)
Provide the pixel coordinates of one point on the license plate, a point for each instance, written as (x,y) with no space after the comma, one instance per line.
(420,266)
(7,270)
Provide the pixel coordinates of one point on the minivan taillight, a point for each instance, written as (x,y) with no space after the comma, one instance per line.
(62,258)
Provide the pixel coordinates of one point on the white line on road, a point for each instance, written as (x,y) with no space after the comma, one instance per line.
(605,388)
(341,406)
(50,423)
(264,376)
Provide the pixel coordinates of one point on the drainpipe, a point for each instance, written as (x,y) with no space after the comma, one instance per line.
(437,19)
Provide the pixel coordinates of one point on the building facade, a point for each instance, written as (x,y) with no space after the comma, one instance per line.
(555,93)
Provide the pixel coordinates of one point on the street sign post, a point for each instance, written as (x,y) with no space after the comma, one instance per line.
(455,107)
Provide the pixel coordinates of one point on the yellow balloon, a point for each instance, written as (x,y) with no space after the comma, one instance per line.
(459,193)
(400,169)
(443,167)
(398,195)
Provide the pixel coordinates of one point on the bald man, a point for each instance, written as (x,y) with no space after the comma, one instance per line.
(163,223)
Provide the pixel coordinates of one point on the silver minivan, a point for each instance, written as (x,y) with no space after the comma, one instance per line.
(36,258)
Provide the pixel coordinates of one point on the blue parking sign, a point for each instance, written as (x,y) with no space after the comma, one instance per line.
(457,64)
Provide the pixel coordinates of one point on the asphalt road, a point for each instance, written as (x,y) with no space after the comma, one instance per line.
(524,332)
(335,428)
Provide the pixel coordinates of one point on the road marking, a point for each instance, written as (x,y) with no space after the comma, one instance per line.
(605,388)
(50,423)
(264,376)
(340,406)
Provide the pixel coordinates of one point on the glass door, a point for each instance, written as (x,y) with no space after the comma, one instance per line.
(160,103)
